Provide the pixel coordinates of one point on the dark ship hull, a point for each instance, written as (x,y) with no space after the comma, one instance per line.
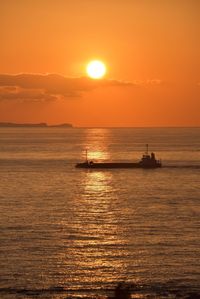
(111,165)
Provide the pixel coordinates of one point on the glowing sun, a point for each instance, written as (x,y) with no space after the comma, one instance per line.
(96,69)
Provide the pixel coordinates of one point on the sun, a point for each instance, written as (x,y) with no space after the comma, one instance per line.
(96,69)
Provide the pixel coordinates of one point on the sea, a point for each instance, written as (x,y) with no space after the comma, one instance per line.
(78,233)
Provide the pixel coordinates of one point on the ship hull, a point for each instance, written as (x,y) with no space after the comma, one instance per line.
(114,165)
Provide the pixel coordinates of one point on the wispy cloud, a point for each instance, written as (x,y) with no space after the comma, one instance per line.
(23,94)
(47,87)
(154,81)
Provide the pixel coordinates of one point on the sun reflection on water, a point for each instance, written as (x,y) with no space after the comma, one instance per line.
(98,182)
(97,240)
(100,243)
(96,144)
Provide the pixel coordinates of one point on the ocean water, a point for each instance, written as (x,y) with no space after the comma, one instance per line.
(76,233)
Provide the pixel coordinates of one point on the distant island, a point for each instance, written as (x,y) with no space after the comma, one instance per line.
(37,125)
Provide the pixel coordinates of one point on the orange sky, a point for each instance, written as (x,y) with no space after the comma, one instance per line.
(151,49)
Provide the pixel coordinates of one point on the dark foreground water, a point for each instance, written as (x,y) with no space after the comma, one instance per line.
(67,232)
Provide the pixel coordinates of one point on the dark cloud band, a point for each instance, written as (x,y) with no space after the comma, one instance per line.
(46,87)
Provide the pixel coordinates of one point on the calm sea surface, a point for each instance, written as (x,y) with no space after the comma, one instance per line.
(67,232)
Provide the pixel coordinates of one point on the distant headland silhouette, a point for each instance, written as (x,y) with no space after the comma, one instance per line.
(37,125)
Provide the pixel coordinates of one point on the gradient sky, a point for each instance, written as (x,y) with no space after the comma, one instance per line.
(151,49)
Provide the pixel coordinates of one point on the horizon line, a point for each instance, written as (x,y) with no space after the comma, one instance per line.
(71,126)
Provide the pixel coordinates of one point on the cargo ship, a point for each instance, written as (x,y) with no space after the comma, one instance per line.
(147,161)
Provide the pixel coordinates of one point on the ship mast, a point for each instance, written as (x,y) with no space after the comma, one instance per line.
(147,149)
(86,155)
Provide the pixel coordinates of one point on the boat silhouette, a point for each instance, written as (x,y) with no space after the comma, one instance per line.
(147,161)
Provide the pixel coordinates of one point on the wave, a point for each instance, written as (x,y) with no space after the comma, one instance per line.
(182,166)
(177,289)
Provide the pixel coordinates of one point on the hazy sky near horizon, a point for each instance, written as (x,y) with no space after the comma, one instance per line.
(151,49)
